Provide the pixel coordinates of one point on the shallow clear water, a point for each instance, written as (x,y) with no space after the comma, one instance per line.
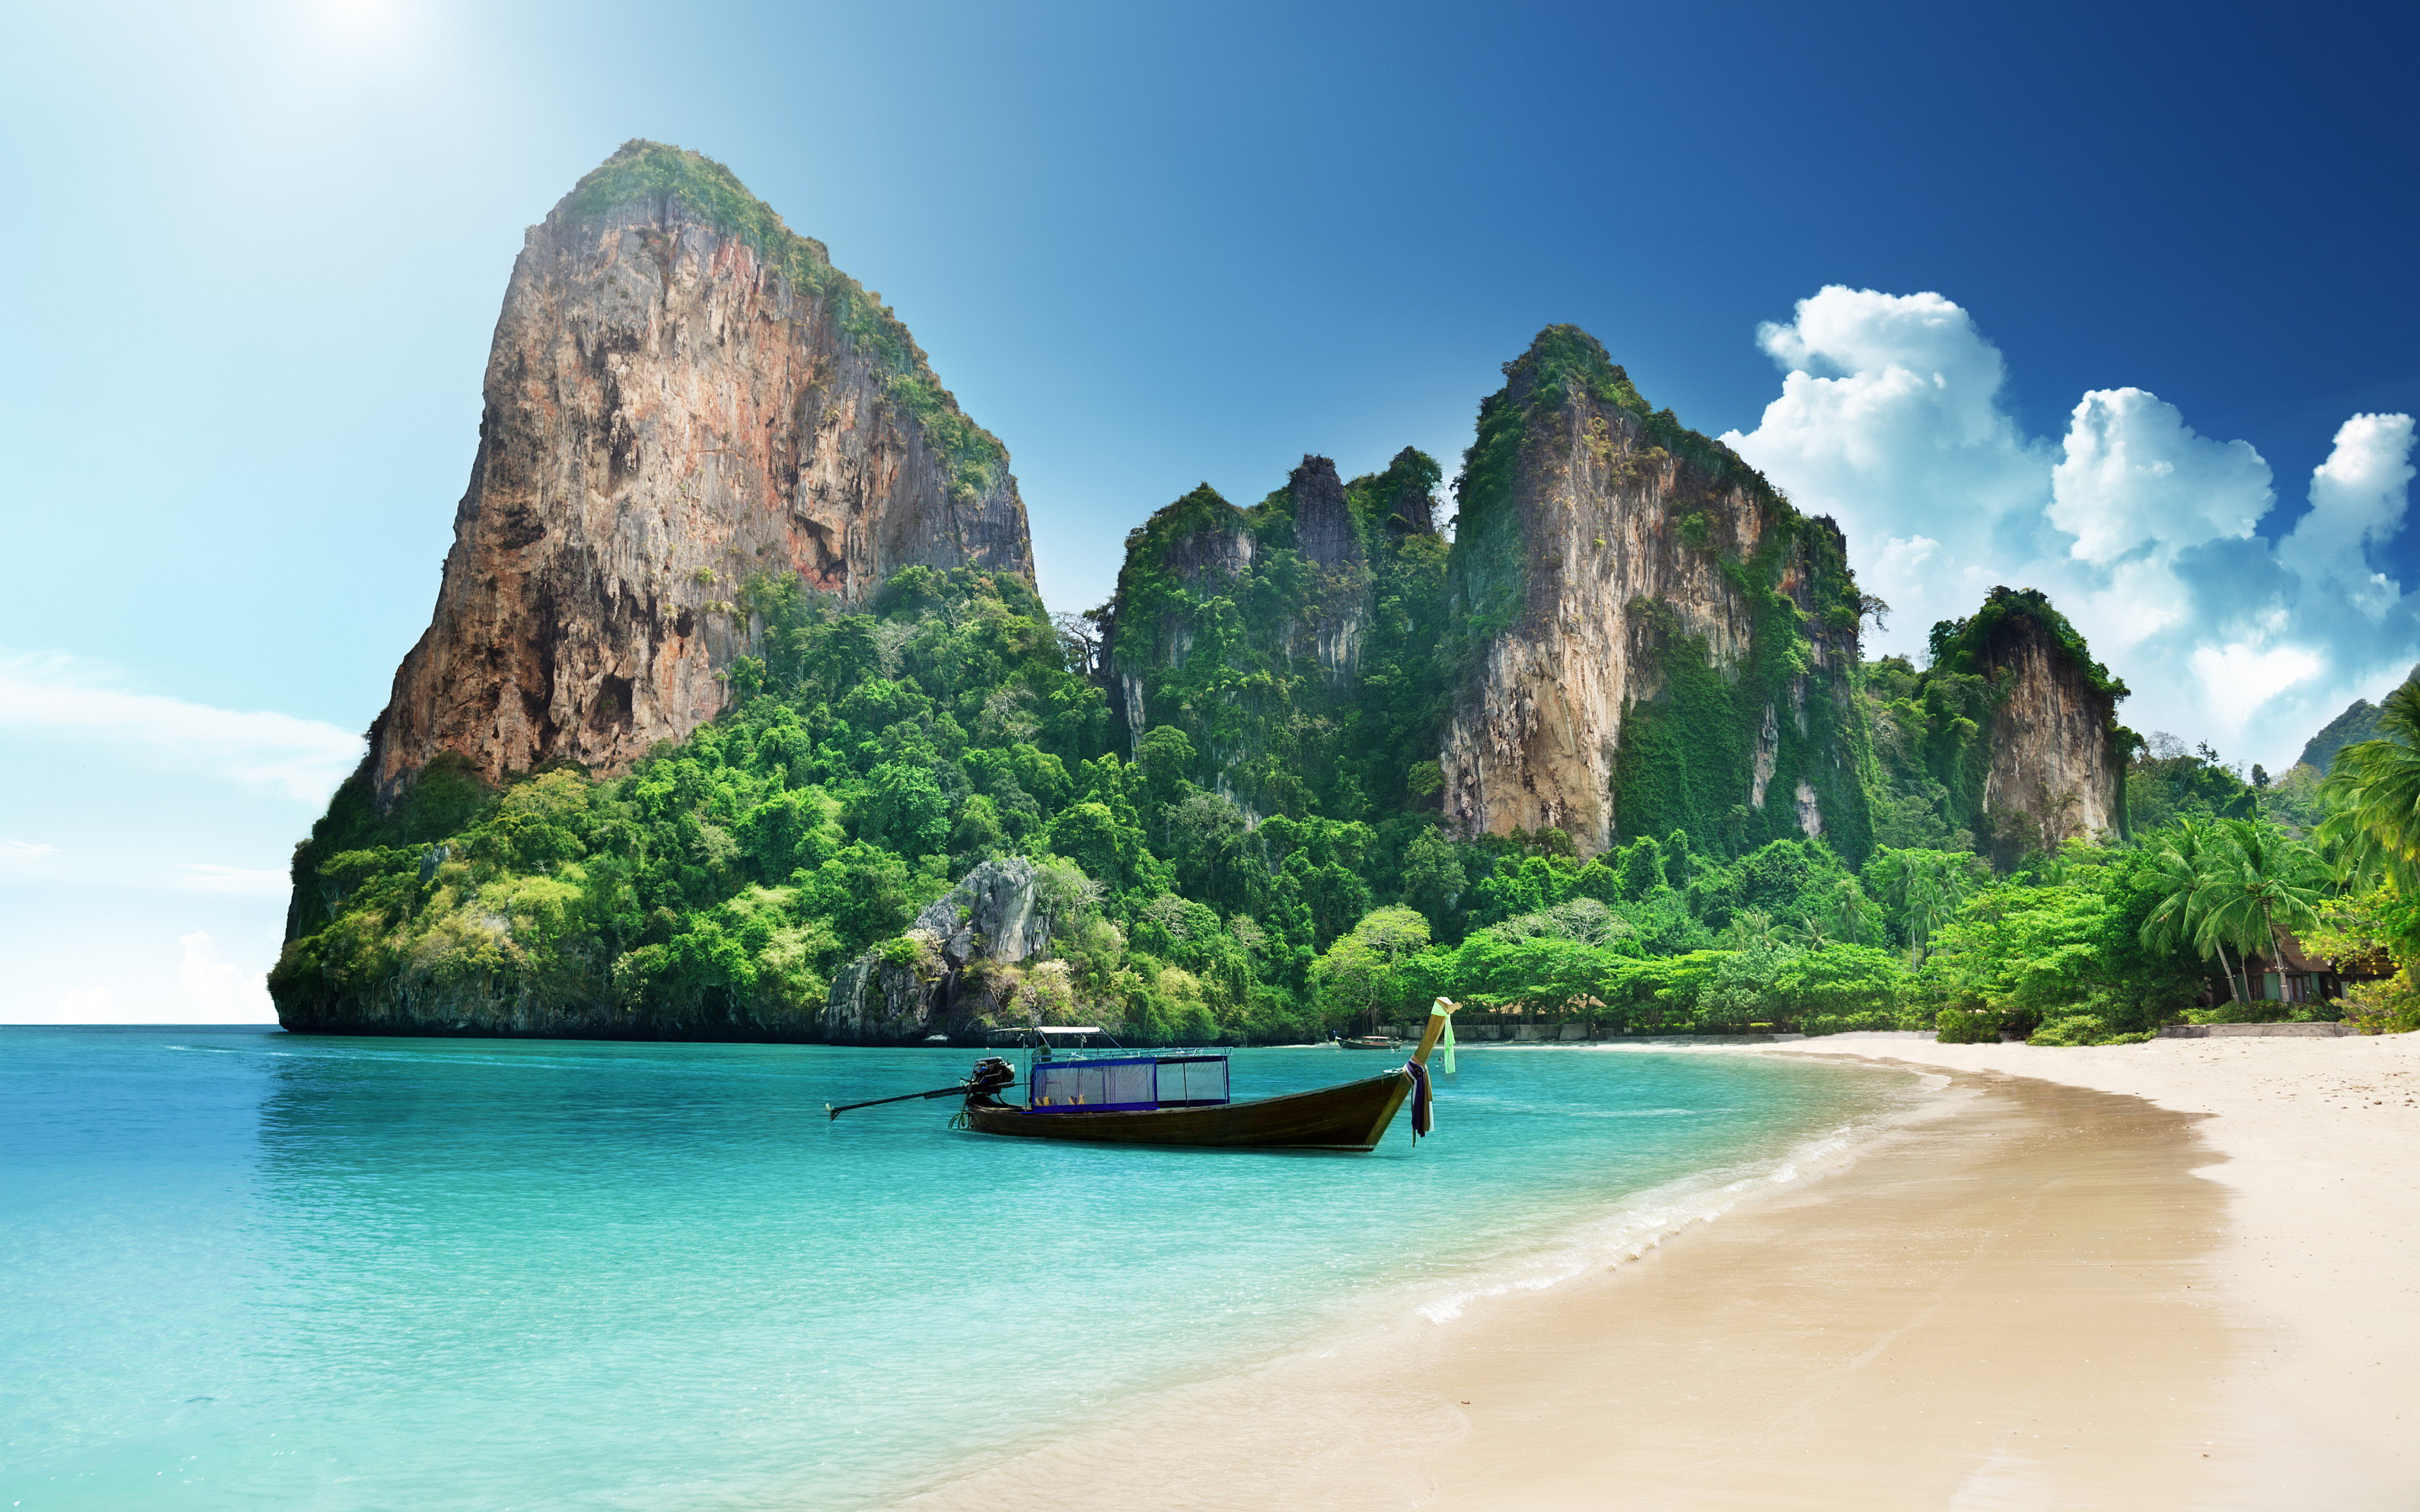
(241,1269)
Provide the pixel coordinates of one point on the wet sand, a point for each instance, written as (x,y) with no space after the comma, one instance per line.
(2019,1303)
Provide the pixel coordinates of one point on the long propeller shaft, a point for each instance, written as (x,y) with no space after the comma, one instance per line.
(958,1089)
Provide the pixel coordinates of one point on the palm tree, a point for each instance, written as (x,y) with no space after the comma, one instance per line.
(2257,888)
(2178,870)
(1751,928)
(1849,912)
(1927,886)
(2372,791)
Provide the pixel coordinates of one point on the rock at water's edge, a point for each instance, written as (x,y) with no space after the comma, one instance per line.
(992,919)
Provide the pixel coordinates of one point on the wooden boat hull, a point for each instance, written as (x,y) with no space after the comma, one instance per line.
(1354,1115)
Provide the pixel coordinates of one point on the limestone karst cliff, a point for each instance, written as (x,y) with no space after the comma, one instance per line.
(2055,775)
(682,395)
(1293,641)
(1650,638)
(741,718)
(2054,764)
(1631,634)
(2007,742)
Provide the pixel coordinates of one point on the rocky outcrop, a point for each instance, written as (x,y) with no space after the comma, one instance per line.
(1258,631)
(1199,541)
(1323,522)
(1609,562)
(509,1007)
(570,997)
(2056,758)
(2357,724)
(954,971)
(1407,507)
(682,395)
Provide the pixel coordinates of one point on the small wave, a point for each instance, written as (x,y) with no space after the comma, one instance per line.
(1498,1105)
(1643,1220)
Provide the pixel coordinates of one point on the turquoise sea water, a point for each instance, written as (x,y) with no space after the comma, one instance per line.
(241,1269)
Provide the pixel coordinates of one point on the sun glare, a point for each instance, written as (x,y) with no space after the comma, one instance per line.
(354,27)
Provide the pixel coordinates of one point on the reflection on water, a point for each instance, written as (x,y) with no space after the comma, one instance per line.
(269,1270)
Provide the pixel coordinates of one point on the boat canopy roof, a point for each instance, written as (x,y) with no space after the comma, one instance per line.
(1066,1029)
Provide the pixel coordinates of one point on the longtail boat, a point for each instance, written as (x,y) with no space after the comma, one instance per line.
(1182,1099)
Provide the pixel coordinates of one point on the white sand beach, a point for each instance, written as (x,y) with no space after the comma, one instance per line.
(2319,1146)
(2171,1275)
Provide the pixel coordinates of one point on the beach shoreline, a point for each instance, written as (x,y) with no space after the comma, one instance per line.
(2149,1276)
(2317,1138)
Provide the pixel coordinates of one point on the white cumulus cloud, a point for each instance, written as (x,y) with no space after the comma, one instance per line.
(2358,496)
(215,991)
(1893,419)
(57,694)
(1890,420)
(2133,477)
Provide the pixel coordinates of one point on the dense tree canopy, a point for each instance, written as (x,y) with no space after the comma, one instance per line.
(870,759)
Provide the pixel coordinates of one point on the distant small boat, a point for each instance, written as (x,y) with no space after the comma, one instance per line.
(1182,1099)
(1370,1042)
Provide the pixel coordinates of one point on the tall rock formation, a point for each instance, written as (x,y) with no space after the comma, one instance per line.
(1324,529)
(682,395)
(2053,756)
(1648,637)
(1291,641)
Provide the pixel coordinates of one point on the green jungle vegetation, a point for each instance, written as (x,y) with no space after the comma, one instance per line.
(874,757)
(1217,621)
(1265,861)
(1932,728)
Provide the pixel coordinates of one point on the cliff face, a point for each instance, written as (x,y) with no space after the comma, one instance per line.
(1632,633)
(1291,641)
(682,395)
(2054,776)
(2056,757)
(1650,638)
(972,950)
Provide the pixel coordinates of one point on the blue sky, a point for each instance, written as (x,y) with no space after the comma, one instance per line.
(258,254)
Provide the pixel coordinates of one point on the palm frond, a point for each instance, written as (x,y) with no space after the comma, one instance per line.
(2372,794)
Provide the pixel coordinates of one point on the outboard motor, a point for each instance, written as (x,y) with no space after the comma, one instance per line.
(990,1075)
